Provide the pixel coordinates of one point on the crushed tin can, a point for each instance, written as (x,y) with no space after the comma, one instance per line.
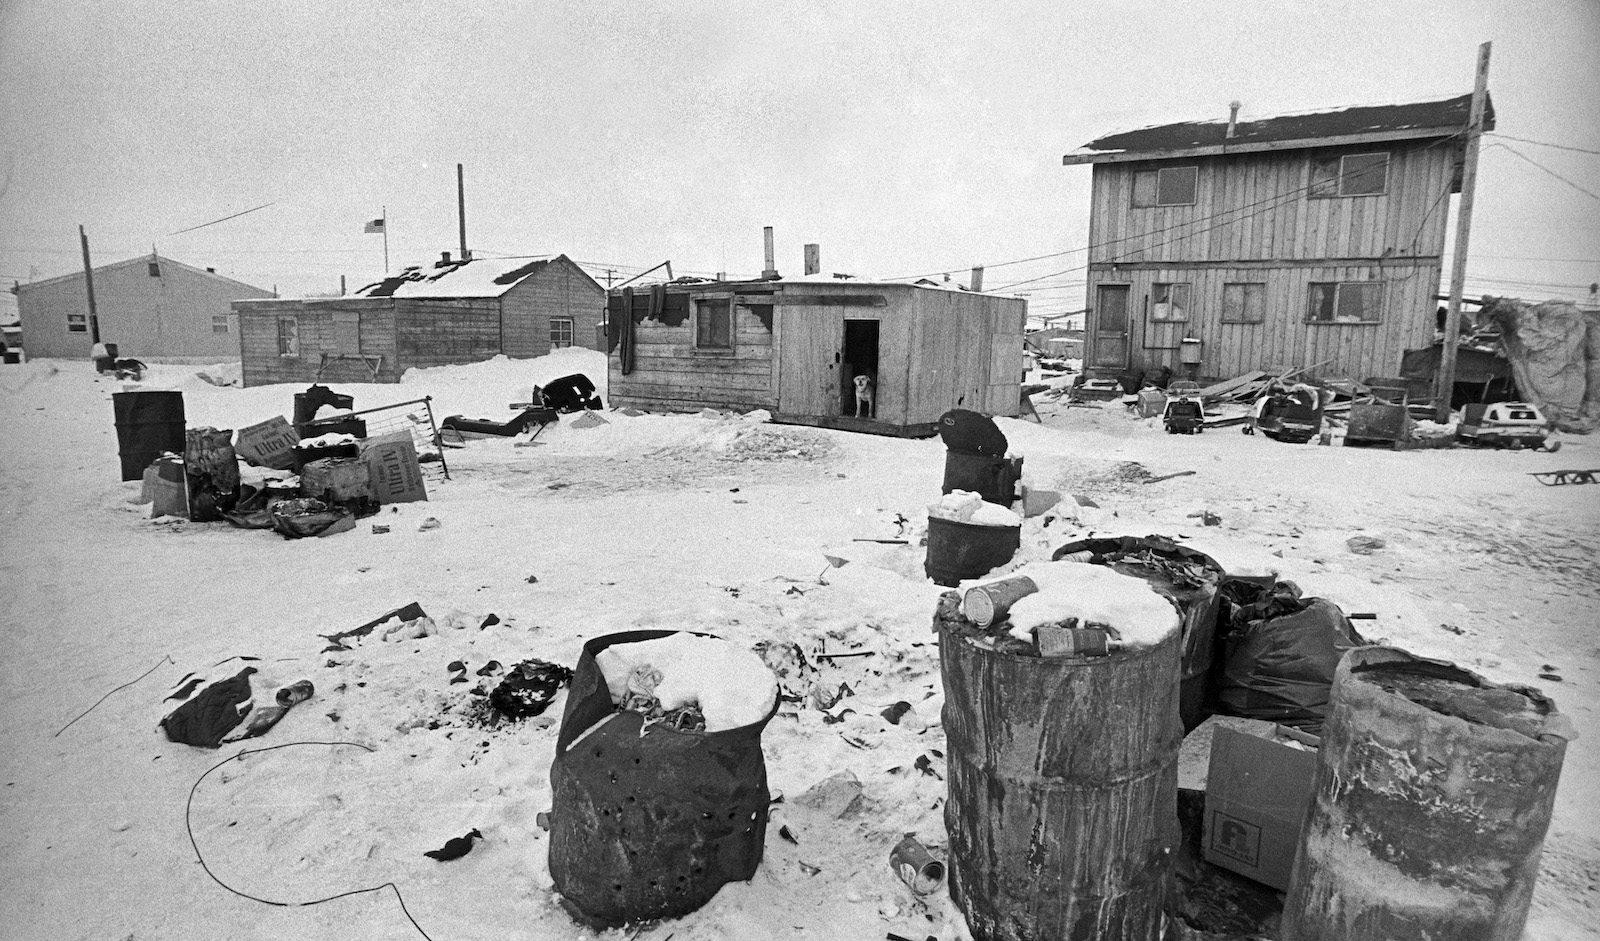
(915,866)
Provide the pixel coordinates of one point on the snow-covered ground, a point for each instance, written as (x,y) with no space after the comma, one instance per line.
(719,524)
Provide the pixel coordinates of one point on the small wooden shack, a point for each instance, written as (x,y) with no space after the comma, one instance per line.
(793,347)
(451,312)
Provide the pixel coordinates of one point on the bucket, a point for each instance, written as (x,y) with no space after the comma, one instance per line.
(958,551)
(993,478)
(306,403)
(148,424)
(1433,793)
(1063,778)
(651,822)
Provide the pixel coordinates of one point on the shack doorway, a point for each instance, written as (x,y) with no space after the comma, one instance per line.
(860,358)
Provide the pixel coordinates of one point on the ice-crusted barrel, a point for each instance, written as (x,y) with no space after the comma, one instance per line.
(1063,776)
(649,822)
(1434,790)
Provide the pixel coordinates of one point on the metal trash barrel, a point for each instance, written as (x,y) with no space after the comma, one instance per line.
(1063,779)
(649,822)
(1433,793)
(993,478)
(148,425)
(959,551)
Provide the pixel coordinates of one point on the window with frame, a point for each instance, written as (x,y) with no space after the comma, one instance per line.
(1350,175)
(1168,186)
(1169,301)
(713,324)
(155,269)
(560,332)
(219,323)
(288,336)
(77,323)
(1346,302)
(1244,302)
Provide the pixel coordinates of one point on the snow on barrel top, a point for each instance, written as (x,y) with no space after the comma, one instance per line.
(1093,593)
(729,683)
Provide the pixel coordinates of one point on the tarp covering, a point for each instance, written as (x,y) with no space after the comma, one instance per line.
(1554,349)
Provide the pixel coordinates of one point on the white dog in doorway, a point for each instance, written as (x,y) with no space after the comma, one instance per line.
(866,396)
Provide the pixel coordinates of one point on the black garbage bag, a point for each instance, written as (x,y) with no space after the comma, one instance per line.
(970,432)
(529,688)
(649,822)
(308,516)
(1188,577)
(1280,652)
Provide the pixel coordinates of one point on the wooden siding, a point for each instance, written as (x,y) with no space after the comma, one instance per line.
(559,289)
(669,374)
(1253,221)
(965,352)
(319,335)
(937,350)
(1255,207)
(1284,338)
(445,332)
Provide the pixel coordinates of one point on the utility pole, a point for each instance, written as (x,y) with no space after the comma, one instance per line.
(88,281)
(611,273)
(461,204)
(1445,382)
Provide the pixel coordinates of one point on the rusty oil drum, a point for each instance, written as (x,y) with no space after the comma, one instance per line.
(1063,776)
(1433,793)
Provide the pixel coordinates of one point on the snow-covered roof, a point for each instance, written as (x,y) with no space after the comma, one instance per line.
(822,280)
(1364,124)
(479,277)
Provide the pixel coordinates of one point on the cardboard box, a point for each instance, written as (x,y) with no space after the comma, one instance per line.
(396,473)
(268,444)
(1258,792)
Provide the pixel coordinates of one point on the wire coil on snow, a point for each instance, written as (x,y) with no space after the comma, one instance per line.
(188,825)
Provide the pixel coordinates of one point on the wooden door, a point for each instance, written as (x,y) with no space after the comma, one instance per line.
(809,339)
(1109,322)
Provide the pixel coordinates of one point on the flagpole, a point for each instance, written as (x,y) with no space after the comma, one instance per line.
(385,241)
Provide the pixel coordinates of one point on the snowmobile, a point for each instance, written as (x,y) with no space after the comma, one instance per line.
(1183,413)
(1292,415)
(1513,425)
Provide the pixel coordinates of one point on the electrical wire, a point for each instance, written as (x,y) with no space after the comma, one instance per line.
(1518,153)
(1524,140)
(97,702)
(188,825)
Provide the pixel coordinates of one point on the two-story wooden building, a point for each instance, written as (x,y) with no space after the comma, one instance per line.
(1303,240)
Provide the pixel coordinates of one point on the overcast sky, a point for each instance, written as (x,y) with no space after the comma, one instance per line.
(904,138)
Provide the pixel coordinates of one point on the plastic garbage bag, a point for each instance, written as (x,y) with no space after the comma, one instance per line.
(1280,652)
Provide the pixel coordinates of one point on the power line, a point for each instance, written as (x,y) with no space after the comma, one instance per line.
(1524,140)
(1513,150)
(223,219)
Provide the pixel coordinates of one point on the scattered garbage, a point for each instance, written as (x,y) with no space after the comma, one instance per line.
(1365,545)
(837,796)
(455,847)
(207,718)
(528,689)
(916,866)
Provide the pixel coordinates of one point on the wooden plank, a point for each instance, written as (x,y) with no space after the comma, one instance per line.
(1223,388)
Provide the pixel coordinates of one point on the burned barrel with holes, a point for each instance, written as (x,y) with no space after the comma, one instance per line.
(1433,793)
(659,784)
(1063,758)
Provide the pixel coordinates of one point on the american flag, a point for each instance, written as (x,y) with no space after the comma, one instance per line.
(375,225)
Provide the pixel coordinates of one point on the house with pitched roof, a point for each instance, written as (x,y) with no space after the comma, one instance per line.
(151,307)
(450,312)
(1302,240)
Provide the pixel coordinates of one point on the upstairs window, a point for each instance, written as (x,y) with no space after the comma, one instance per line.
(155,269)
(1346,302)
(560,332)
(219,323)
(1168,186)
(77,323)
(1350,175)
(1169,302)
(713,325)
